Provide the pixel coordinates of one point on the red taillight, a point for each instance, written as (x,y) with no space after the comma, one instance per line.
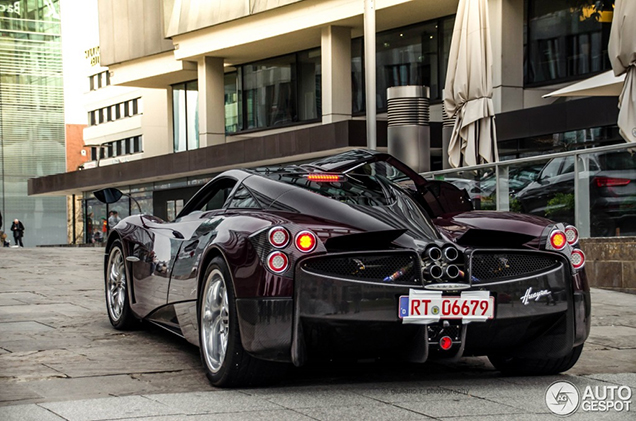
(558,240)
(324,177)
(445,343)
(305,241)
(571,234)
(611,181)
(577,258)
(278,237)
(277,261)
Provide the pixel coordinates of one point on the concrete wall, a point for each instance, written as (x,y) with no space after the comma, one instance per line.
(611,262)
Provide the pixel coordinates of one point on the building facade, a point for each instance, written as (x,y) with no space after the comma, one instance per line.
(31,116)
(265,82)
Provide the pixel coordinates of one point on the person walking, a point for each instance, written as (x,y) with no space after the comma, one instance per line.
(18,232)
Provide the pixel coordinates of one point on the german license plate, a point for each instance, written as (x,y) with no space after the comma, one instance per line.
(428,307)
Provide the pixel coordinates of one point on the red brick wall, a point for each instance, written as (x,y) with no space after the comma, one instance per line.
(74,147)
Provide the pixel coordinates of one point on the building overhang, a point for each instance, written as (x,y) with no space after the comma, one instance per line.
(291,146)
(156,71)
(297,27)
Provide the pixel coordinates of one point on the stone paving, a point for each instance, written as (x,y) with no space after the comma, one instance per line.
(61,360)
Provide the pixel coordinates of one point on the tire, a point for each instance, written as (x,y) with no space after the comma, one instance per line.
(225,361)
(515,366)
(116,289)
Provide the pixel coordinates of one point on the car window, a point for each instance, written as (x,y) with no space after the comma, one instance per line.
(242,199)
(211,197)
(568,165)
(617,161)
(551,169)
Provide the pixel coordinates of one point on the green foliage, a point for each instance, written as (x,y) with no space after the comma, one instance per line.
(559,204)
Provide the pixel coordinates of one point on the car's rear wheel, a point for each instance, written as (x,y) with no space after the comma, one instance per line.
(516,366)
(225,361)
(116,288)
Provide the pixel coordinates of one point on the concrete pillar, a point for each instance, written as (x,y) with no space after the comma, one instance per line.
(336,74)
(506,26)
(211,102)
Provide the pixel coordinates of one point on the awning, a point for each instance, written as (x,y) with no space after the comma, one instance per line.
(605,84)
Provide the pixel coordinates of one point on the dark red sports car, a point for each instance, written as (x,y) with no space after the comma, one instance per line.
(351,255)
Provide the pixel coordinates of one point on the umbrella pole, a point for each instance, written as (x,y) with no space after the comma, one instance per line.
(369,71)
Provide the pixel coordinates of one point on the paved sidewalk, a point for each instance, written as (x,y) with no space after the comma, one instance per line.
(61,360)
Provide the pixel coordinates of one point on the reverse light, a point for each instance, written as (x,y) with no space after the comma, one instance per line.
(277,262)
(445,343)
(571,234)
(278,237)
(324,177)
(611,181)
(305,241)
(558,240)
(577,258)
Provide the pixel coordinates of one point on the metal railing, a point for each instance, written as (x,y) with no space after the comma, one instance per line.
(583,172)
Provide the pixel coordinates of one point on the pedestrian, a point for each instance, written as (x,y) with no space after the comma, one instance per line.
(113,220)
(18,232)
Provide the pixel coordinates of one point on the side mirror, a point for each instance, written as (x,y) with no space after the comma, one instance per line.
(109,195)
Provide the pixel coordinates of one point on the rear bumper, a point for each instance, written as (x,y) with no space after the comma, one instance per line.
(332,316)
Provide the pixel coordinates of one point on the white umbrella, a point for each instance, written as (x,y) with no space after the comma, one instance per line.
(468,90)
(605,84)
(622,54)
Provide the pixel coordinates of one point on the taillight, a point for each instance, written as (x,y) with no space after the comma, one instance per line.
(558,240)
(278,237)
(305,241)
(571,234)
(577,258)
(325,177)
(445,343)
(277,262)
(611,181)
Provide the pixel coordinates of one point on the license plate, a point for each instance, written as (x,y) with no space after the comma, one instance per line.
(428,307)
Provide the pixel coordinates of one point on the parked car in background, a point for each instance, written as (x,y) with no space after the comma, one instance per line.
(612,191)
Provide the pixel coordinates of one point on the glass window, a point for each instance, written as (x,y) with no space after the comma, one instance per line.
(269,92)
(231,103)
(109,114)
(357,75)
(100,112)
(91,118)
(413,55)
(137,144)
(135,106)
(185,115)
(91,81)
(309,85)
(243,199)
(117,111)
(566,38)
(127,109)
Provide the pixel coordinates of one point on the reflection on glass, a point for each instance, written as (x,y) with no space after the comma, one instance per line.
(567,38)
(309,85)
(612,192)
(269,92)
(185,116)
(231,103)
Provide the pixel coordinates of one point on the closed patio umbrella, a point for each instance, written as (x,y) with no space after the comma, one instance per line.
(622,54)
(468,89)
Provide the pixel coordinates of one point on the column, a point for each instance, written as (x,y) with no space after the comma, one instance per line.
(336,74)
(506,26)
(211,101)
